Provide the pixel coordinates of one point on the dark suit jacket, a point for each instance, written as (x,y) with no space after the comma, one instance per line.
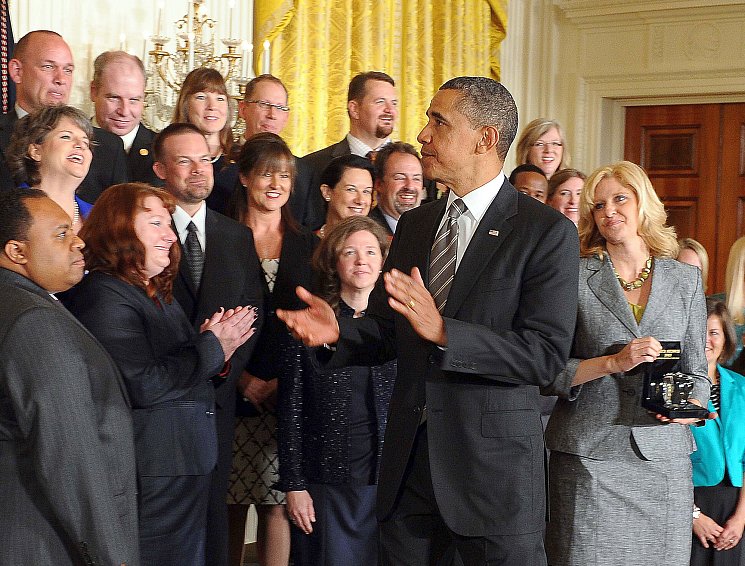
(140,158)
(166,367)
(67,465)
(231,277)
(7,121)
(308,181)
(509,320)
(108,167)
(377,215)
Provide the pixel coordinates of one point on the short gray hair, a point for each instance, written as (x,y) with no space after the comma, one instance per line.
(486,102)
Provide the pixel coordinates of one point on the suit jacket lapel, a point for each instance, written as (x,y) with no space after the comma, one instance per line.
(604,285)
(482,246)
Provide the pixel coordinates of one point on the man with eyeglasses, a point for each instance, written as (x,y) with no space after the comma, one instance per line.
(264,106)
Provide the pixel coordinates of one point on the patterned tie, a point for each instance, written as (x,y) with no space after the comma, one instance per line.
(194,255)
(444,251)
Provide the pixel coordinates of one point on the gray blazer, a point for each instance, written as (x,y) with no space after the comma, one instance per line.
(67,465)
(600,418)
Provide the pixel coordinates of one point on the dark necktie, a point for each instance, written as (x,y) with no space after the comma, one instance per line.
(194,254)
(444,251)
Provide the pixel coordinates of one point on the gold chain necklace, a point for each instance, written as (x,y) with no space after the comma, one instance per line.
(639,281)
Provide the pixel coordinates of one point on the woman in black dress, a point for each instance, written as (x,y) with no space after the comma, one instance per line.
(331,424)
(267,172)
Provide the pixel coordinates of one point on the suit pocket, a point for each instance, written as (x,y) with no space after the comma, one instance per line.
(510,424)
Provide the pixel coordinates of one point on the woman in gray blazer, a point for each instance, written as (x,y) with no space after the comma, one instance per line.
(620,477)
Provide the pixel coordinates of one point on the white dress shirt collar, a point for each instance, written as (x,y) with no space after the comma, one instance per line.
(358,147)
(477,202)
(181,219)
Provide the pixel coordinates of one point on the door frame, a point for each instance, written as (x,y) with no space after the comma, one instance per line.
(605,105)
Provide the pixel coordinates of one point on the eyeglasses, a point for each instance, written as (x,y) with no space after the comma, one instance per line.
(264,105)
(542,144)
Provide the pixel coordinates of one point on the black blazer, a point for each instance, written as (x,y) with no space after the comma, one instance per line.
(140,158)
(275,342)
(308,181)
(7,121)
(377,214)
(231,277)
(166,367)
(509,320)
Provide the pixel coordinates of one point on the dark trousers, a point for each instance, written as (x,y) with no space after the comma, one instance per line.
(173,520)
(416,535)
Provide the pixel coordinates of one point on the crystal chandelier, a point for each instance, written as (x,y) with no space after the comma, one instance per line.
(196,45)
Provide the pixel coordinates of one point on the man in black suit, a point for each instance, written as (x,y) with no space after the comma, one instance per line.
(230,276)
(42,68)
(67,462)
(399,183)
(372,105)
(478,303)
(118,95)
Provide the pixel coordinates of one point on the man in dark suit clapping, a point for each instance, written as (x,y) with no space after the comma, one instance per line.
(478,303)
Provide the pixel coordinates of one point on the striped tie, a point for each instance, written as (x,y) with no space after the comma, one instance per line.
(444,251)
(194,255)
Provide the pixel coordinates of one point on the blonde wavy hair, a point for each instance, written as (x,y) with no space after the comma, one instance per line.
(659,238)
(734,281)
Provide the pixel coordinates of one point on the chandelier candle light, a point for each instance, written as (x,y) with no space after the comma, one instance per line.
(196,42)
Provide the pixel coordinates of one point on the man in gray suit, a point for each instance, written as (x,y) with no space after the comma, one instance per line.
(67,474)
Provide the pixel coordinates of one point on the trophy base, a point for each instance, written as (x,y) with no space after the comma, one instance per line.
(690,411)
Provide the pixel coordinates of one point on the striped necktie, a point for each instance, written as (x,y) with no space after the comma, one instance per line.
(442,258)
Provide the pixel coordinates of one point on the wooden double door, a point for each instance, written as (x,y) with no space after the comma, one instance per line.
(694,155)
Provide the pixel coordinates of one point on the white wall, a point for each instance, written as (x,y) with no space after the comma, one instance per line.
(583,61)
(91,27)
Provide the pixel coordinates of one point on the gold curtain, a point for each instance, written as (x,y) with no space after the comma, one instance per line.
(317,46)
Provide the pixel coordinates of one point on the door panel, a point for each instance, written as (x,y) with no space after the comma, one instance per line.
(694,155)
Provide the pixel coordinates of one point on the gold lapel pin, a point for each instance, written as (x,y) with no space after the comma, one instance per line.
(144,152)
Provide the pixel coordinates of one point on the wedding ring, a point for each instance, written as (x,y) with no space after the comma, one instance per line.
(411,304)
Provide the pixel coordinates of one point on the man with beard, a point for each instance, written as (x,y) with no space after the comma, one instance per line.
(219,269)
(372,105)
(42,68)
(398,183)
